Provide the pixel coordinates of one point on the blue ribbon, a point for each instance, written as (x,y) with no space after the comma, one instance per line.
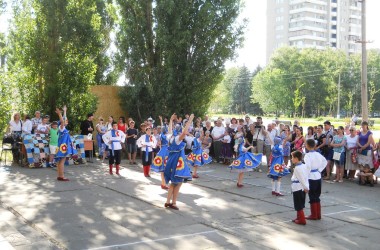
(147,139)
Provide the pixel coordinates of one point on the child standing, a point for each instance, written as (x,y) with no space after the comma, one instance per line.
(277,167)
(147,142)
(300,186)
(53,143)
(245,162)
(316,163)
(114,139)
(226,149)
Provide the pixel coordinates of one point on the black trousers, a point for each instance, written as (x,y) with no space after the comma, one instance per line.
(315,190)
(116,158)
(143,158)
(299,200)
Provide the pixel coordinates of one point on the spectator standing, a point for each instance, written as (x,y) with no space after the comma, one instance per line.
(87,127)
(36,120)
(101,130)
(15,127)
(131,142)
(258,136)
(217,136)
(269,141)
(351,147)
(329,133)
(27,126)
(365,140)
(338,144)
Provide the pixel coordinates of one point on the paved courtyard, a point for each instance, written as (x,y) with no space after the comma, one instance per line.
(98,211)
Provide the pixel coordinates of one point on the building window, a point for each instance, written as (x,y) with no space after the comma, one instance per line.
(334,9)
(333,35)
(333,45)
(333,27)
(333,18)
(333,1)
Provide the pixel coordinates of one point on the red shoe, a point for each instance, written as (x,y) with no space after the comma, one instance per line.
(62,179)
(195,176)
(239,185)
(279,194)
(117,169)
(274,193)
(167,204)
(164,187)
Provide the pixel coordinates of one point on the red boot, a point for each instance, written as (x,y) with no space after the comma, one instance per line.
(110,167)
(300,218)
(318,209)
(117,169)
(314,212)
(148,171)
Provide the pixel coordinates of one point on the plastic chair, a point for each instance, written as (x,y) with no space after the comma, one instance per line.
(6,146)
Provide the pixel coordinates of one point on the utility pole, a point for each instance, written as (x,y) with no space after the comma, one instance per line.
(364,88)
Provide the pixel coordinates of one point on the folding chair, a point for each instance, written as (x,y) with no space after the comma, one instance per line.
(6,146)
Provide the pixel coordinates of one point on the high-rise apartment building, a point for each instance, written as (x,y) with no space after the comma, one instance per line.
(313,24)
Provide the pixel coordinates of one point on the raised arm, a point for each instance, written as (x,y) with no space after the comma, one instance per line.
(185,130)
(58,111)
(170,130)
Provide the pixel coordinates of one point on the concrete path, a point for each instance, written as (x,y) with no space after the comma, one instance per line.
(98,211)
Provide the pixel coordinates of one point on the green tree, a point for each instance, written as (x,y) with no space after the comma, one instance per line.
(173,52)
(58,51)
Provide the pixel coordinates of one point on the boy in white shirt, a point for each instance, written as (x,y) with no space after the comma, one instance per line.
(316,163)
(147,142)
(300,186)
(114,138)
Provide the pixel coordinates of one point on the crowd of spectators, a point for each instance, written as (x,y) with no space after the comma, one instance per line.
(351,150)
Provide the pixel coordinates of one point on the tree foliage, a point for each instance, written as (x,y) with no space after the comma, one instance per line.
(305,82)
(173,52)
(59,50)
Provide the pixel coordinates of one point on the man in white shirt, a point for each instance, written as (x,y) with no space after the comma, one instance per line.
(259,134)
(268,142)
(113,139)
(217,135)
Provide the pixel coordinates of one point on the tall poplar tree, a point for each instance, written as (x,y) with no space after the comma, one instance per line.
(173,52)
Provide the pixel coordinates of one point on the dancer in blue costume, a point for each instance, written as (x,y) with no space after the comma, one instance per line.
(65,145)
(197,157)
(246,161)
(161,158)
(277,167)
(176,170)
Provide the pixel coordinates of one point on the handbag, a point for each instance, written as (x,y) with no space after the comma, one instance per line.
(354,156)
(336,156)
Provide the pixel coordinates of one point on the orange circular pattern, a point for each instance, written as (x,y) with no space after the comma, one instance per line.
(63,148)
(236,162)
(157,160)
(248,163)
(180,164)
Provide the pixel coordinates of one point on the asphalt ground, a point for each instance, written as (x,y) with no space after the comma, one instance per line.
(95,210)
